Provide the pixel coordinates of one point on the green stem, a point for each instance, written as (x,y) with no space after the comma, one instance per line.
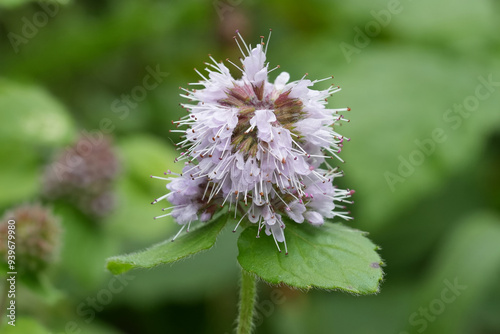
(248,294)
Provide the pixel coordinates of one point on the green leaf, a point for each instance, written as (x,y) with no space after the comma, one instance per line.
(167,252)
(332,256)
(464,272)
(20,175)
(394,181)
(30,115)
(141,155)
(145,155)
(41,284)
(85,247)
(17,3)
(24,325)
(181,282)
(32,122)
(13,3)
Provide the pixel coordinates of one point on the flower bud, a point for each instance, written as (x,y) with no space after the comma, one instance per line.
(37,236)
(84,174)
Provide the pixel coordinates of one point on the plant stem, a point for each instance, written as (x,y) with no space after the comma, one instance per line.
(248,296)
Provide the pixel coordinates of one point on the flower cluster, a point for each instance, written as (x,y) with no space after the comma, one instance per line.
(84,174)
(258,147)
(38,236)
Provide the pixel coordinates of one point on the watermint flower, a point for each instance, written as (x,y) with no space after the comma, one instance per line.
(84,174)
(37,237)
(258,147)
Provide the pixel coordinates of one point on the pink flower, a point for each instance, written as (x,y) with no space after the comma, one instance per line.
(257,147)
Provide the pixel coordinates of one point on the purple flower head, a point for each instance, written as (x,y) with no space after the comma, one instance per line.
(257,147)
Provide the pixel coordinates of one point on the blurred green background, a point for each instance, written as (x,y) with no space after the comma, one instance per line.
(422,79)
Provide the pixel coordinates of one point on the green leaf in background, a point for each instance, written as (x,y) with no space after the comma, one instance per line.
(32,122)
(25,325)
(20,175)
(145,155)
(141,155)
(17,3)
(31,116)
(412,125)
(332,256)
(182,283)
(13,3)
(166,252)
(43,287)
(412,20)
(84,248)
(465,271)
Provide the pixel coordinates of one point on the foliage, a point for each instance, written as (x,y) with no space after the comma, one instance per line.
(438,222)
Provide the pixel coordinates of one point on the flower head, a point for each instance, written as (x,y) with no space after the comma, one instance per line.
(37,237)
(84,175)
(259,147)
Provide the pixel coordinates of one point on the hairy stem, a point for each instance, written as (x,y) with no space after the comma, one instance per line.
(248,296)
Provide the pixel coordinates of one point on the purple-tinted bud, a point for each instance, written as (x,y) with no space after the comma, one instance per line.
(84,174)
(37,238)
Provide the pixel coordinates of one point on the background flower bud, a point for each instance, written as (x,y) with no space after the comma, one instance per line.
(84,174)
(37,238)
